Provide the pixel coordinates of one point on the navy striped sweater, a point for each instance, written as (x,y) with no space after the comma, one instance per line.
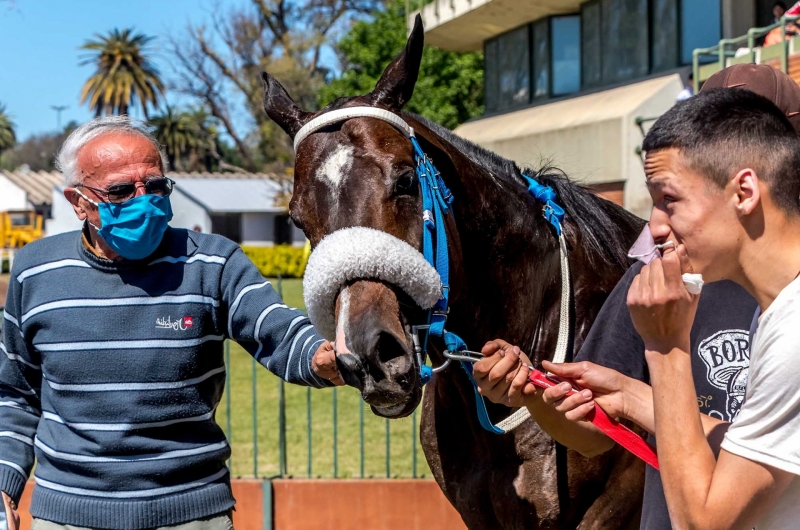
(111,373)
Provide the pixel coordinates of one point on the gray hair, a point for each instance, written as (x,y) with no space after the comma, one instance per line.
(67,157)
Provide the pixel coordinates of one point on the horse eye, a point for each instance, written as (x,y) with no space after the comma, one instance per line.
(405,185)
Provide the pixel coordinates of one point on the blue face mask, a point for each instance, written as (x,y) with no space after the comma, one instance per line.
(134,229)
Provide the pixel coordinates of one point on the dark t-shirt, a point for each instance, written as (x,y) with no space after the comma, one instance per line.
(720,358)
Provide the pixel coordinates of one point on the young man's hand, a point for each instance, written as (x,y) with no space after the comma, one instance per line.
(324,364)
(11,515)
(502,375)
(602,385)
(620,396)
(661,308)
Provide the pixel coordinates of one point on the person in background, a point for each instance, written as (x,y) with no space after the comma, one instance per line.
(779,11)
(112,361)
(720,349)
(688,88)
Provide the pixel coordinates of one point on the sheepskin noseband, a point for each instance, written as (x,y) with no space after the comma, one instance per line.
(362,253)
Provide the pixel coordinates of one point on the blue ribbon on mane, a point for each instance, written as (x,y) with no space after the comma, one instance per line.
(436,201)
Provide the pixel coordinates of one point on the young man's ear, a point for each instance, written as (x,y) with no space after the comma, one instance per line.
(747,187)
(75,200)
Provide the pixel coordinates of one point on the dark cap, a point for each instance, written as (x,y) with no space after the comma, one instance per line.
(765,81)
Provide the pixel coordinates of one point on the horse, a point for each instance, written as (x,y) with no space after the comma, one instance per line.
(504,282)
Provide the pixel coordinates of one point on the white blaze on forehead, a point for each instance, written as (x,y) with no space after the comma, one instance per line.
(337,165)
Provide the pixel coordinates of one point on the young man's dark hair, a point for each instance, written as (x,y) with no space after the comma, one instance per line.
(724,130)
(780,4)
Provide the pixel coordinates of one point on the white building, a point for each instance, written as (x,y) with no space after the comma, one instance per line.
(571,81)
(27,190)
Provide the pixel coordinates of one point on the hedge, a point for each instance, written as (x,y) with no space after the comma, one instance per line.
(281,260)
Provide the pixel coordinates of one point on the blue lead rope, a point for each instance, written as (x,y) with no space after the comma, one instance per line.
(436,201)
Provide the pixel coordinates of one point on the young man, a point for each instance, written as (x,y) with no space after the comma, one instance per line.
(724,173)
(719,336)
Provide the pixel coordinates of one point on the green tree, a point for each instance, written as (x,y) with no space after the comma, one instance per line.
(180,134)
(220,65)
(124,73)
(7,136)
(450,86)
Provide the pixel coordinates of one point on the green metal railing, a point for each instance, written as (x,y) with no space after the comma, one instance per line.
(725,55)
(339,439)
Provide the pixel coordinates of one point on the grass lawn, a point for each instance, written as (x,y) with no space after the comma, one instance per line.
(404,433)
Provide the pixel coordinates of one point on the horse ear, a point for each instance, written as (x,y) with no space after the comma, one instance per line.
(396,85)
(281,108)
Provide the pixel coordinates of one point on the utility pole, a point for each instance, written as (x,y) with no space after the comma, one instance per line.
(59,109)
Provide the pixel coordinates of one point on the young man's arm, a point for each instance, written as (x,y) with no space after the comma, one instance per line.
(279,337)
(702,492)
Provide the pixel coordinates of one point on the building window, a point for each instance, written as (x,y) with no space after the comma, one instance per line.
(566,43)
(591,45)
(283,230)
(508,70)
(701,26)
(228,225)
(490,77)
(541,59)
(664,29)
(625,35)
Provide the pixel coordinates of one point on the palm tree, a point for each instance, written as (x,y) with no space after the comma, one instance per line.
(124,73)
(7,136)
(180,133)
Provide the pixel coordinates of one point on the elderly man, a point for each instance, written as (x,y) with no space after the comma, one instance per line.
(113,349)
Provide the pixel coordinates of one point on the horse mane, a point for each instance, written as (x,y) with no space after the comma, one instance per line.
(603,225)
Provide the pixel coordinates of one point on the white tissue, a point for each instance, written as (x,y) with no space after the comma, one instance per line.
(693,282)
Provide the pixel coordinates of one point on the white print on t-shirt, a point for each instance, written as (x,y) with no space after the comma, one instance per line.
(726,355)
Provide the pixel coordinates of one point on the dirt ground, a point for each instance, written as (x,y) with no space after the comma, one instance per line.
(3,288)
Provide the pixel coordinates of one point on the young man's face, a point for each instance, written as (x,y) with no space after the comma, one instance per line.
(689,209)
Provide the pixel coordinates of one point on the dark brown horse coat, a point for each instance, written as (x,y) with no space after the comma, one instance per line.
(505,282)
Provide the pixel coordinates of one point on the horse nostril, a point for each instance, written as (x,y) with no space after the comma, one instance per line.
(389,348)
(351,370)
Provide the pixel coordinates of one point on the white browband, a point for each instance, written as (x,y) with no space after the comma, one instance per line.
(336,116)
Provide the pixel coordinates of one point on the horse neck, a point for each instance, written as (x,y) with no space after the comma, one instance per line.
(505,277)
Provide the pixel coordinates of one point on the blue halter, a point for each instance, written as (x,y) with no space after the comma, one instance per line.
(436,200)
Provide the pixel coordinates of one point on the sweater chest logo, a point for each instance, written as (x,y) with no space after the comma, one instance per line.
(179,324)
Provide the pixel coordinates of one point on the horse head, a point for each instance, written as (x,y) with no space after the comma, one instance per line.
(361,173)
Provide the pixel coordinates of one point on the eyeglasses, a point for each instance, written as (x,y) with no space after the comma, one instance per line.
(125,191)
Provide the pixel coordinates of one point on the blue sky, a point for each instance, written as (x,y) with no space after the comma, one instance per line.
(39,54)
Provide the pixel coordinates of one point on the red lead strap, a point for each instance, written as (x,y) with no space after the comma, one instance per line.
(610,427)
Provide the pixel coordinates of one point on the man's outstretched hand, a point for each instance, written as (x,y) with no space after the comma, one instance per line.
(11,515)
(324,364)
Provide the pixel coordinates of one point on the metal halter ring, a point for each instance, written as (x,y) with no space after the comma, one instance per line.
(464,355)
(415,337)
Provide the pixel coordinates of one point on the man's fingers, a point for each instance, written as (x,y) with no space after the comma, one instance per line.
(568,370)
(671,266)
(515,390)
(337,380)
(580,412)
(499,373)
(490,348)
(571,402)
(481,369)
(553,395)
